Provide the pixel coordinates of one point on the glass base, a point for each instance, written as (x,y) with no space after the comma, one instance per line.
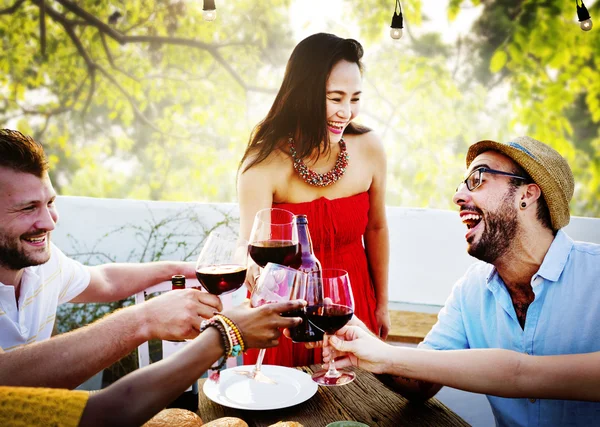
(345,377)
(257,376)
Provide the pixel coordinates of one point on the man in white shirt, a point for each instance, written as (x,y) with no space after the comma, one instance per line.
(35,277)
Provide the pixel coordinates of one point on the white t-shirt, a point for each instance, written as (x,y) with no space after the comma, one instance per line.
(43,288)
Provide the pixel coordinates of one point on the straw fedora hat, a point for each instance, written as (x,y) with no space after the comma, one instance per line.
(545,166)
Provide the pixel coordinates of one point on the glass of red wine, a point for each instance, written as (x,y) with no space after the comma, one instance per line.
(221,266)
(275,284)
(274,238)
(310,291)
(333,309)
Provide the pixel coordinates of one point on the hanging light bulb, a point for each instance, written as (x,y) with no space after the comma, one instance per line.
(585,20)
(396,27)
(209,10)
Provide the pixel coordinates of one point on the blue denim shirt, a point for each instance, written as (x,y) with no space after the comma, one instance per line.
(564,318)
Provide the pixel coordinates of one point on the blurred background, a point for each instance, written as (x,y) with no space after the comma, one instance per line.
(144,99)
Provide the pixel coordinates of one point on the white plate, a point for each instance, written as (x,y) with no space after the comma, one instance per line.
(240,392)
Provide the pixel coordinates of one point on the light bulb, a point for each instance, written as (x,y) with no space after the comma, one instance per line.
(586,25)
(209,15)
(395,33)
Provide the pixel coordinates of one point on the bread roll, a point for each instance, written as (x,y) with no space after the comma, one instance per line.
(174,417)
(286,424)
(226,422)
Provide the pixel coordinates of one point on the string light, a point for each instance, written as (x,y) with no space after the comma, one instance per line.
(209,10)
(585,20)
(396,27)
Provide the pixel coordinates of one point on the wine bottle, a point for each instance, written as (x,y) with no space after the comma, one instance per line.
(309,264)
(189,398)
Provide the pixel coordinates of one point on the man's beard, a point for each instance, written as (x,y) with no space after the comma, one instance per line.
(500,229)
(14,258)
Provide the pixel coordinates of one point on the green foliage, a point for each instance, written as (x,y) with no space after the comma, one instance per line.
(166,114)
(551,68)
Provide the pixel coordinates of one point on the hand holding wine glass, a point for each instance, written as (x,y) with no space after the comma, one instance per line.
(274,285)
(221,266)
(330,313)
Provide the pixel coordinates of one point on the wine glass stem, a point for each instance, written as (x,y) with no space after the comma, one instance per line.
(331,371)
(261,355)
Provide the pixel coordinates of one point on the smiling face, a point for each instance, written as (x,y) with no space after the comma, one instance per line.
(27,216)
(343,91)
(490,211)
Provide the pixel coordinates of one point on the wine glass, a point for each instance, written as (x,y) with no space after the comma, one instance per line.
(222,263)
(275,284)
(332,311)
(274,238)
(310,291)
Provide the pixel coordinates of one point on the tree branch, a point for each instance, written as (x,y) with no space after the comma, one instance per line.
(43,28)
(159,40)
(93,67)
(112,62)
(88,101)
(12,9)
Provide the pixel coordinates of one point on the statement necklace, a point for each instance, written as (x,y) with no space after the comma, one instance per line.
(320,179)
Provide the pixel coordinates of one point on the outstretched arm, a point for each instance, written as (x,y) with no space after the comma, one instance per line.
(359,347)
(497,372)
(113,282)
(138,396)
(67,360)
(505,373)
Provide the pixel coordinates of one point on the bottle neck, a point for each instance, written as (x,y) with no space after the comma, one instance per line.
(304,239)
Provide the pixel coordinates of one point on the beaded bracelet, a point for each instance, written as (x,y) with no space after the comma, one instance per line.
(226,344)
(231,337)
(235,334)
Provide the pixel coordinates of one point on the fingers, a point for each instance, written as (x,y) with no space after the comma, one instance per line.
(210,300)
(311,345)
(384,332)
(285,306)
(341,345)
(343,362)
(287,322)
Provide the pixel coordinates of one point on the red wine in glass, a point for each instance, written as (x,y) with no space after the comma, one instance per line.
(329,317)
(274,238)
(333,308)
(221,279)
(282,252)
(222,263)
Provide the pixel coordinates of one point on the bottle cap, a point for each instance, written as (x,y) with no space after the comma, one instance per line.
(178,280)
(301,219)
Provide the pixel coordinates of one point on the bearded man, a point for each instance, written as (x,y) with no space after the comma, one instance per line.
(35,277)
(535,291)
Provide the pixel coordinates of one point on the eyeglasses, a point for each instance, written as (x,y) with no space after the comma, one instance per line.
(475,178)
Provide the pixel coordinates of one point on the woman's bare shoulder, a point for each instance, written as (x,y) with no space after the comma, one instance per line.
(368,143)
(275,162)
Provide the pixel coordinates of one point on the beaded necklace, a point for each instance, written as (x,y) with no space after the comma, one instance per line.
(321,179)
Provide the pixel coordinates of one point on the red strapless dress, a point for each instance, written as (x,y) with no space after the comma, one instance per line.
(336,228)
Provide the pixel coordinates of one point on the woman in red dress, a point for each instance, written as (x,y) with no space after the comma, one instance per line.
(307,156)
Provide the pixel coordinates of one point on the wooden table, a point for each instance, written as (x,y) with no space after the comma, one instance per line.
(366,400)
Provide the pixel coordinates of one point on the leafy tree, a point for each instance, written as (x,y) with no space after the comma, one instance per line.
(141,105)
(149,103)
(536,48)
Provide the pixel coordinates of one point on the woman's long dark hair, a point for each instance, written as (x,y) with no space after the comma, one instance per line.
(299,108)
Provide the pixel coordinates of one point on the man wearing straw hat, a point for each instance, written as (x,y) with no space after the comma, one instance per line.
(536,291)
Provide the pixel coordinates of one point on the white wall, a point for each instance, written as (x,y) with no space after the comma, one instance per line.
(427,245)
